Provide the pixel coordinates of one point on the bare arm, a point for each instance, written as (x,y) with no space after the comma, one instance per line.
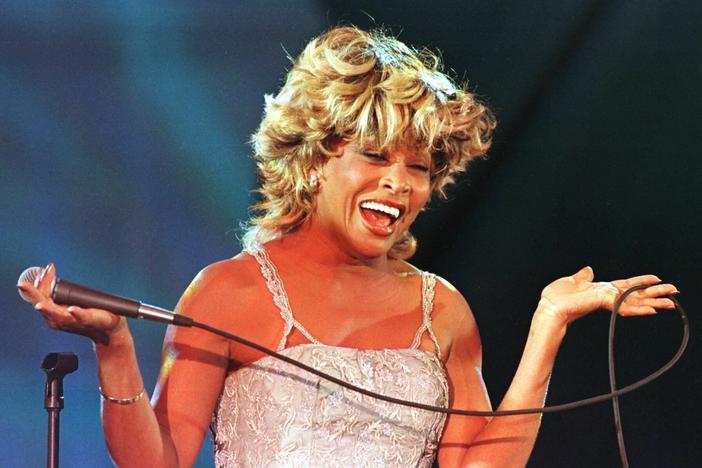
(508,441)
(133,434)
(194,368)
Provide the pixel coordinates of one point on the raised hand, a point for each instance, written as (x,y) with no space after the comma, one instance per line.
(97,324)
(571,297)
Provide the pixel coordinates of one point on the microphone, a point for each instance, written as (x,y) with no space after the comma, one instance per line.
(66,293)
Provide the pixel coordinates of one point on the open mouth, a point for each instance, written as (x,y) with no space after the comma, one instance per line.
(381,217)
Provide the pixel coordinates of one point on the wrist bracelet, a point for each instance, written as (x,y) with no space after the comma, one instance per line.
(123,401)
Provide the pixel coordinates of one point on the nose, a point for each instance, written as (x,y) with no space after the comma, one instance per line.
(396,179)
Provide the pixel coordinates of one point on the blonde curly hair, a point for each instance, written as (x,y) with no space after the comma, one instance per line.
(364,86)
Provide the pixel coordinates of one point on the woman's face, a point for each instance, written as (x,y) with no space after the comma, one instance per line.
(367,199)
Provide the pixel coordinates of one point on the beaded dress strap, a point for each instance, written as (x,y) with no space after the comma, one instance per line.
(428,283)
(280,297)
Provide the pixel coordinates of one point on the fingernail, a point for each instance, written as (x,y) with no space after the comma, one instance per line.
(40,278)
(72,309)
(38,306)
(22,287)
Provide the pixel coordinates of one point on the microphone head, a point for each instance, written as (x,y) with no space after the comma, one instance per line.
(30,275)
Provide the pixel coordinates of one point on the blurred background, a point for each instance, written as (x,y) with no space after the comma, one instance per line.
(124,159)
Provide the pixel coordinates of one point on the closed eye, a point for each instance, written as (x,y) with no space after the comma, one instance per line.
(375,156)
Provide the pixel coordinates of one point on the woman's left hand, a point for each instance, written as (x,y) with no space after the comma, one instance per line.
(569,298)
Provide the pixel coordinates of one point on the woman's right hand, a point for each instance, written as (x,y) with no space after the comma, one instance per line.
(99,325)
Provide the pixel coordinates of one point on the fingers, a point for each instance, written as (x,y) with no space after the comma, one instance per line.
(30,291)
(96,324)
(40,289)
(660,303)
(54,314)
(646,301)
(93,323)
(94,318)
(45,281)
(79,314)
(585,274)
(627,310)
(653,299)
(56,317)
(636,280)
(640,302)
(660,290)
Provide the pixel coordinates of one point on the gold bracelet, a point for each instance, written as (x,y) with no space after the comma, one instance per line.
(123,401)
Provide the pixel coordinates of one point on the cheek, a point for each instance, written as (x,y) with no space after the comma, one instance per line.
(341,172)
(420,197)
(340,187)
(421,194)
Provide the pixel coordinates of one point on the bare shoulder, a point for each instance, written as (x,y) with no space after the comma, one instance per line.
(240,270)
(448,299)
(452,303)
(453,318)
(221,285)
(230,295)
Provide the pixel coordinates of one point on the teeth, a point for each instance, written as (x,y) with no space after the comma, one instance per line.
(391,210)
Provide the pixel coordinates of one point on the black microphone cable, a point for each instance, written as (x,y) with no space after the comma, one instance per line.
(613,395)
(615,392)
(612,374)
(69,293)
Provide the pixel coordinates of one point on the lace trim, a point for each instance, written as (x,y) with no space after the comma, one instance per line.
(428,283)
(280,297)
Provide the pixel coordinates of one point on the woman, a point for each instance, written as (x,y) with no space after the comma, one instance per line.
(349,151)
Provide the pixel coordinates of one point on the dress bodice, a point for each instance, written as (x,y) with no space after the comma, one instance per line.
(273,414)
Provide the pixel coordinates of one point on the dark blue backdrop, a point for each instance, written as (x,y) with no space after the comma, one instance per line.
(124,159)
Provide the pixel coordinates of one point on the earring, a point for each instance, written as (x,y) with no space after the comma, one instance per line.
(314,182)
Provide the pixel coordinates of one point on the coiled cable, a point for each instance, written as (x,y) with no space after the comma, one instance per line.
(613,395)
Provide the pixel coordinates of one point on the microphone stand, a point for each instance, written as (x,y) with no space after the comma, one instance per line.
(56,366)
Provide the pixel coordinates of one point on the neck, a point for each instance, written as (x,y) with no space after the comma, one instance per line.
(317,247)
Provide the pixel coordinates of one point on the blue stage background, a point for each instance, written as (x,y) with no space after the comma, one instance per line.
(124,159)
